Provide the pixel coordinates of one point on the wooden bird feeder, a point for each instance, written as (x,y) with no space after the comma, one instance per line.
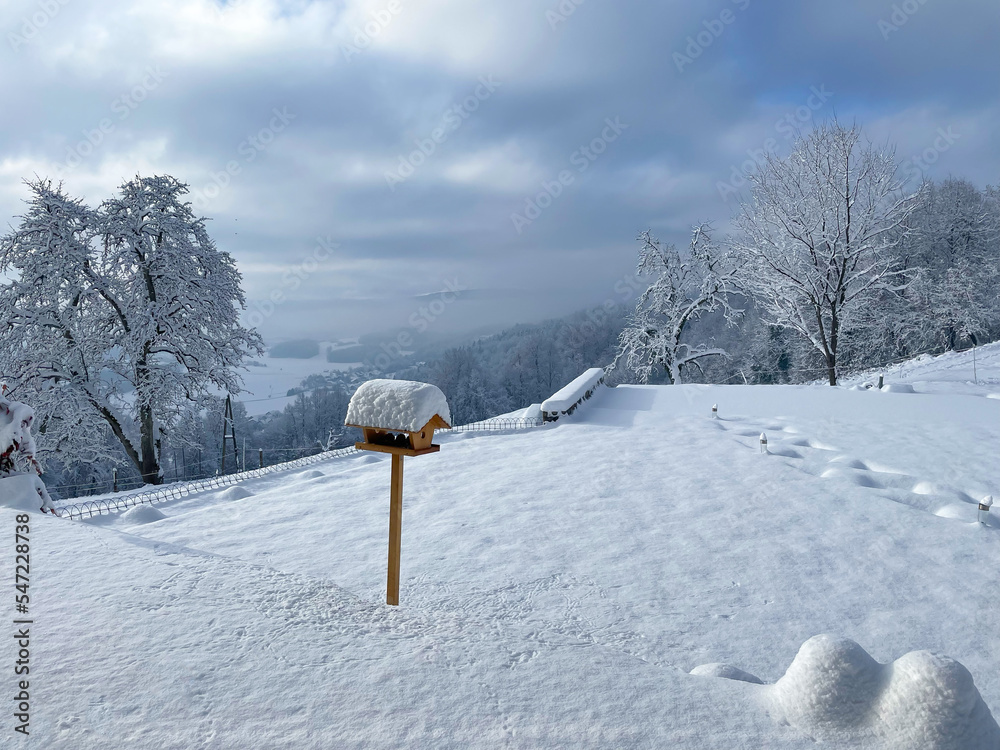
(397,417)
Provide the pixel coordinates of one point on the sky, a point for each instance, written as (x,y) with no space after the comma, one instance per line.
(359,157)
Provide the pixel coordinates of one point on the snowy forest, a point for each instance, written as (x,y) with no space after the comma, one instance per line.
(122,322)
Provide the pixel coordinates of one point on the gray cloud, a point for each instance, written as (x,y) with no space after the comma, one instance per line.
(191,88)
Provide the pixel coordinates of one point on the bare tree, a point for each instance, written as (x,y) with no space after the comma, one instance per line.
(682,291)
(817,235)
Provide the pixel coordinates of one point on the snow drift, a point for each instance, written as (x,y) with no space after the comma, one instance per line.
(921,701)
(725,671)
(142,514)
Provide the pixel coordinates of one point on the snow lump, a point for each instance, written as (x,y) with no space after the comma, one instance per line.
(726,671)
(921,701)
(141,514)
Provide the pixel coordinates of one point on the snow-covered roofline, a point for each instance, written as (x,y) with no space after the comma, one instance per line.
(403,405)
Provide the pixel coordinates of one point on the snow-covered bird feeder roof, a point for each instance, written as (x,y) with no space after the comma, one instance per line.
(398,405)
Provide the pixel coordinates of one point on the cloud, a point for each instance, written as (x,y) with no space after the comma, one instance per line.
(191,88)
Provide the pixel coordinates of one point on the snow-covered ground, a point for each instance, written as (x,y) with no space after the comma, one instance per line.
(559,584)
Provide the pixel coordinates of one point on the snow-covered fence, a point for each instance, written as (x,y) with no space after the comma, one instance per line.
(566,399)
(496,425)
(105,506)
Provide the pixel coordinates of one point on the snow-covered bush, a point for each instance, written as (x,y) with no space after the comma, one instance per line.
(17,450)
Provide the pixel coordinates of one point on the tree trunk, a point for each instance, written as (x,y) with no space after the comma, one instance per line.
(831,367)
(150,468)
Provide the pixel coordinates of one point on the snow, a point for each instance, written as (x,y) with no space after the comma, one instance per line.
(403,405)
(235,493)
(15,426)
(725,671)
(571,394)
(142,514)
(921,701)
(558,585)
(24,492)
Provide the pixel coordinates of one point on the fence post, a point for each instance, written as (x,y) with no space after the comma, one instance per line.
(114,475)
(260,452)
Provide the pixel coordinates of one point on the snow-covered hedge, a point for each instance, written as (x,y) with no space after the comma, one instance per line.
(567,398)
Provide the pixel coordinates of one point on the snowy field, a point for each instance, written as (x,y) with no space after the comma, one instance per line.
(559,585)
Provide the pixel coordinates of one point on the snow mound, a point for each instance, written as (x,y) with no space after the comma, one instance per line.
(313,474)
(726,671)
(932,702)
(831,684)
(898,388)
(142,514)
(24,492)
(956,511)
(235,493)
(921,701)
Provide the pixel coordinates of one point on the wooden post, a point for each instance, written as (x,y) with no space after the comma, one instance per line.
(260,452)
(114,480)
(395,530)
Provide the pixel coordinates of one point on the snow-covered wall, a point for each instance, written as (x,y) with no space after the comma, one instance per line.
(567,398)
(403,405)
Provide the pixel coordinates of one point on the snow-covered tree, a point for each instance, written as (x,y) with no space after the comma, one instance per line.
(818,234)
(682,290)
(119,317)
(955,242)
